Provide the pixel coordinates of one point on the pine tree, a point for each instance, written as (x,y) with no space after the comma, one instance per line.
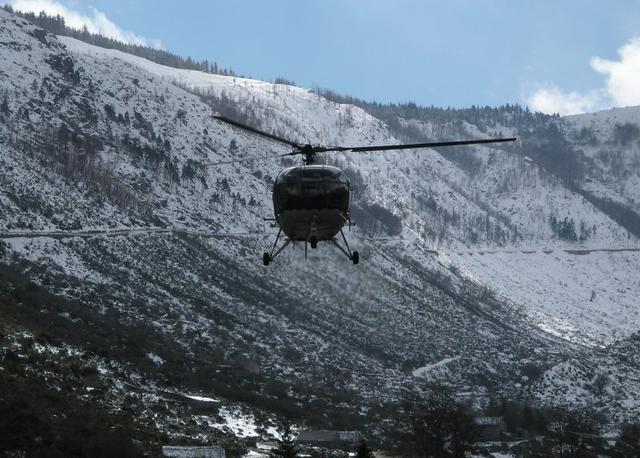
(363,450)
(629,441)
(4,107)
(287,447)
(441,426)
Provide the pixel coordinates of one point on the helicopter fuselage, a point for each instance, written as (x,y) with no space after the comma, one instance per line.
(311,202)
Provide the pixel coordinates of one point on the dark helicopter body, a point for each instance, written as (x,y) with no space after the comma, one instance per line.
(311,202)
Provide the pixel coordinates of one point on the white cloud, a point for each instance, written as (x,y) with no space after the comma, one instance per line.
(621,88)
(623,76)
(551,99)
(96,22)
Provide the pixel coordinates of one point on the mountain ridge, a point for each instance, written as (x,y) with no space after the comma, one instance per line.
(96,139)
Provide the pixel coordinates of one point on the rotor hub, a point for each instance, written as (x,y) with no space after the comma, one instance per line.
(309,154)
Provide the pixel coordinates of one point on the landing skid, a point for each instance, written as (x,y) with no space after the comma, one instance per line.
(268,257)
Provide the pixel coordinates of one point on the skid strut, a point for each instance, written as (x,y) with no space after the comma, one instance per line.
(268,257)
(312,240)
(353,256)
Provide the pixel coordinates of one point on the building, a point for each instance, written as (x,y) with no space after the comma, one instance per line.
(324,438)
(490,428)
(171,451)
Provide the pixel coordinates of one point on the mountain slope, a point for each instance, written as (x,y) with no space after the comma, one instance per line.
(96,139)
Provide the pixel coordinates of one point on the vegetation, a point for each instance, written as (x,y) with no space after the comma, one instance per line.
(569,434)
(287,447)
(441,426)
(43,422)
(624,134)
(56,25)
(565,229)
(617,211)
(509,115)
(373,218)
(364,451)
(628,443)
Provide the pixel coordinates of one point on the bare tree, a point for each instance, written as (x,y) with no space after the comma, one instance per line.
(441,426)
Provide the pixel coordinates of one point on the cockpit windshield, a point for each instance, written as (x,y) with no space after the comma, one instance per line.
(311,188)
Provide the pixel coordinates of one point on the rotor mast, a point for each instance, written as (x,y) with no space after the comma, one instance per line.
(308,153)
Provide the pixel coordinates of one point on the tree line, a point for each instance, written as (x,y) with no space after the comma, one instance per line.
(57,25)
(439,426)
(508,115)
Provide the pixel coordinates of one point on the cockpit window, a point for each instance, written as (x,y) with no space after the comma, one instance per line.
(316,187)
(292,176)
(315,174)
(334,174)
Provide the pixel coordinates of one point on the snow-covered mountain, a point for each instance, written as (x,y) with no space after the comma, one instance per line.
(106,201)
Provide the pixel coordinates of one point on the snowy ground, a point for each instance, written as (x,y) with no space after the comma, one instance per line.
(590,299)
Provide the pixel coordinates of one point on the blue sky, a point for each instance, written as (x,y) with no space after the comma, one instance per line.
(454,53)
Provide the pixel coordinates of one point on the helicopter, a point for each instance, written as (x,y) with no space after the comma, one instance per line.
(311,203)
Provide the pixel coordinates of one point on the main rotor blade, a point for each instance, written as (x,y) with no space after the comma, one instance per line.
(413,145)
(245,160)
(237,161)
(256,131)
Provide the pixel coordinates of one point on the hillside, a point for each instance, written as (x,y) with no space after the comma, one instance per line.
(152,309)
